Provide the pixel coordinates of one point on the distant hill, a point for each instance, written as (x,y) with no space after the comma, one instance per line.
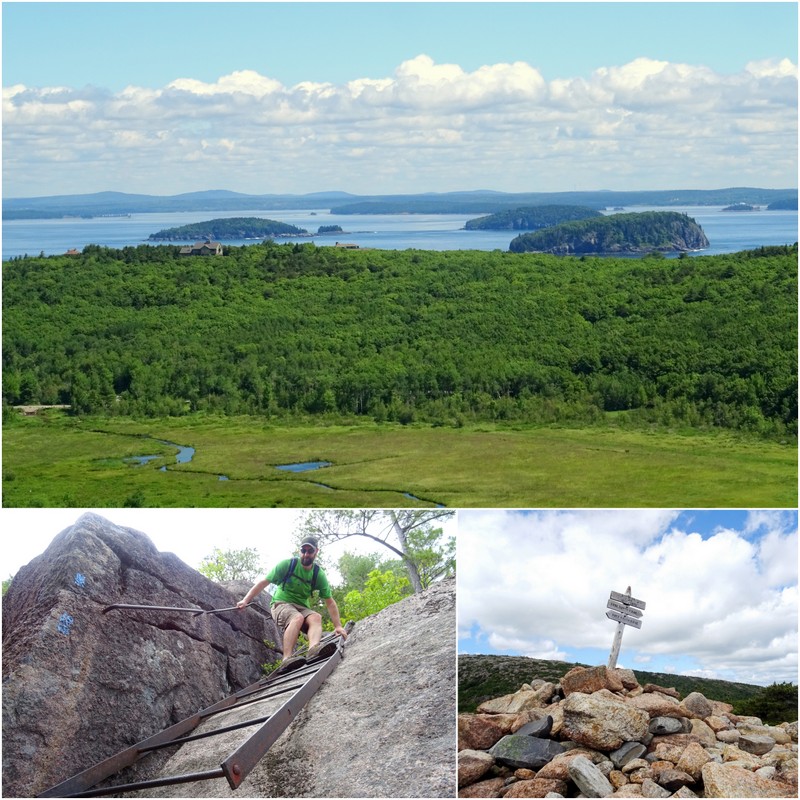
(531,218)
(466,202)
(228,228)
(784,204)
(482,677)
(636,233)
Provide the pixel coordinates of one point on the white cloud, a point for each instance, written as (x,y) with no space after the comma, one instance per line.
(727,600)
(772,68)
(429,126)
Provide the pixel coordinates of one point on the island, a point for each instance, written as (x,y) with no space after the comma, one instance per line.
(329,229)
(228,228)
(784,204)
(740,207)
(644,232)
(530,218)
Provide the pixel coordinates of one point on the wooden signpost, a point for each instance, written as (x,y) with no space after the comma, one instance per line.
(624,610)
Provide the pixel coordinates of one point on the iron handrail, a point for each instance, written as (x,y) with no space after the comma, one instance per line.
(239,764)
(194,611)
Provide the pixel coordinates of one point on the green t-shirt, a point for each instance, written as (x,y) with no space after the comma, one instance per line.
(298,587)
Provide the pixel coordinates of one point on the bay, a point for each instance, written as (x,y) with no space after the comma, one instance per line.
(727,231)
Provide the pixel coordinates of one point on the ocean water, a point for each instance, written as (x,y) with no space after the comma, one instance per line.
(727,231)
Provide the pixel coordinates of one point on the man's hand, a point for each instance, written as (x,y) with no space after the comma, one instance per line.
(242,604)
(340,631)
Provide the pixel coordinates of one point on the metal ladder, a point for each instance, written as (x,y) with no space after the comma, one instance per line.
(300,685)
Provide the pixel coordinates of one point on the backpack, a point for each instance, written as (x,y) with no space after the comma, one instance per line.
(290,572)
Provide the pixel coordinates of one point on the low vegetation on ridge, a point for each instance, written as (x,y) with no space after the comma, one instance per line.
(484,677)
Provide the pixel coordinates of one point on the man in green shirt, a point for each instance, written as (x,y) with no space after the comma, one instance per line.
(291,601)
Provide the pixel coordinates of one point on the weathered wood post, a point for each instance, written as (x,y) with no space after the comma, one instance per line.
(624,610)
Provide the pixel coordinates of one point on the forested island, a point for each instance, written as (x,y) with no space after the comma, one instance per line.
(740,207)
(444,337)
(530,218)
(228,228)
(644,232)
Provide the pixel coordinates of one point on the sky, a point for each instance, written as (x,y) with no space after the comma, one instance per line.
(720,589)
(376,98)
(190,533)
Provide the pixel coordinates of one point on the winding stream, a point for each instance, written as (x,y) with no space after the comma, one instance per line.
(186,454)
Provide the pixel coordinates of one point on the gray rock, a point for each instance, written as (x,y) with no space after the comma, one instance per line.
(697,706)
(757,745)
(525,752)
(79,685)
(661,726)
(651,789)
(673,779)
(588,778)
(540,728)
(601,722)
(626,753)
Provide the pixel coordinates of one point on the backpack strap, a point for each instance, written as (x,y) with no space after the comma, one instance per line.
(290,572)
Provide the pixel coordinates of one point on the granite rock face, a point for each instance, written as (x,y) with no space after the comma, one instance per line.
(384,722)
(80,684)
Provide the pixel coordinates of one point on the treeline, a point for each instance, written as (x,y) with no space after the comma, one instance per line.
(228,228)
(530,218)
(642,232)
(481,677)
(444,337)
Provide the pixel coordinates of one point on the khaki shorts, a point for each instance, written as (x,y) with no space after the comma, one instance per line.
(283,613)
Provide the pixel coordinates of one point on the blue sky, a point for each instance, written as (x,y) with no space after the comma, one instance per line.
(397,97)
(271,532)
(720,588)
(151,44)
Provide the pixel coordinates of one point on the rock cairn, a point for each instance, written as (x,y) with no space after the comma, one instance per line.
(598,733)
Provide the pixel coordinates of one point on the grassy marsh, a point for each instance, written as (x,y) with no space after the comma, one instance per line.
(58,461)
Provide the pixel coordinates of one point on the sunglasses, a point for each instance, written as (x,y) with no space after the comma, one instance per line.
(307,551)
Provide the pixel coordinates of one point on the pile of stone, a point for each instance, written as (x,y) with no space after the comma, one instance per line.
(598,733)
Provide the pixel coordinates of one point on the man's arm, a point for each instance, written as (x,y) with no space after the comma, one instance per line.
(254,592)
(333,610)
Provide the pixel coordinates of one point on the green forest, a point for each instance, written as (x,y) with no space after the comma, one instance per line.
(441,337)
(530,218)
(228,228)
(639,232)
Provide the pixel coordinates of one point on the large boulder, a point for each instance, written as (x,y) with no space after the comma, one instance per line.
(478,732)
(591,679)
(726,780)
(602,723)
(79,684)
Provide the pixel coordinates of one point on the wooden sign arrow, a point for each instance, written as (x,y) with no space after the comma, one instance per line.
(617,617)
(634,612)
(627,600)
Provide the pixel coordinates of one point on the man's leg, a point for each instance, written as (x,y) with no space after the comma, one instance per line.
(290,634)
(314,629)
(290,621)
